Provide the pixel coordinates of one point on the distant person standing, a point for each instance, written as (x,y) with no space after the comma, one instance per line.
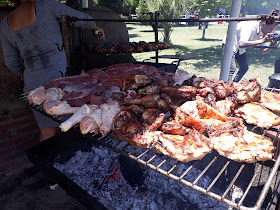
(248,34)
(196,16)
(188,15)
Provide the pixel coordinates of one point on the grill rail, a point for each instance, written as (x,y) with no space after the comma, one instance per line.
(151,159)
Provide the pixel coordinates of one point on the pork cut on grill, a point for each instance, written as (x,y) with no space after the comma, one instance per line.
(254,113)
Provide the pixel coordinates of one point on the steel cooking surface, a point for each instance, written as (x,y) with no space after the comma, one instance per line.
(250,182)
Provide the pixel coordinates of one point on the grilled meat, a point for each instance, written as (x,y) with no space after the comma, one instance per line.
(179,94)
(270,100)
(241,145)
(150,115)
(149,90)
(254,113)
(136,109)
(201,110)
(172,127)
(226,106)
(192,146)
(247,91)
(149,101)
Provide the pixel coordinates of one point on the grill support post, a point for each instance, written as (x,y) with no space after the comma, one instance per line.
(228,51)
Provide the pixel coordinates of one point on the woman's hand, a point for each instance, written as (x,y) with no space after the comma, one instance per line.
(98,32)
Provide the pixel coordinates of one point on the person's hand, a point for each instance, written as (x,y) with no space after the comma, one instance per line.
(268,37)
(98,32)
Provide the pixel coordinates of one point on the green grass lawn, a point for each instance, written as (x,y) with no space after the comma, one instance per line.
(187,40)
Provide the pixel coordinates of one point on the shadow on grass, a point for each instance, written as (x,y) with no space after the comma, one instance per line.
(210,57)
(209,40)
(133,36)
(130,28)
(147,31)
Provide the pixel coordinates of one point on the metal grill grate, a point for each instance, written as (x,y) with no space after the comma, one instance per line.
(212,165)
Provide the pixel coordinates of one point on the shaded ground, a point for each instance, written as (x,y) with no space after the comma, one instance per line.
(27,189)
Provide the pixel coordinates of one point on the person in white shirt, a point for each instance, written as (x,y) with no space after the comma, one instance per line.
(248,34)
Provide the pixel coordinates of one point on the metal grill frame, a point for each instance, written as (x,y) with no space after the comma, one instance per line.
(108,139)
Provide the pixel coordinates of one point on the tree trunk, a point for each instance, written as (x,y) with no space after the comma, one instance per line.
(204,29)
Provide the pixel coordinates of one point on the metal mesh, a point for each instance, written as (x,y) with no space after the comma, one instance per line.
(255,179)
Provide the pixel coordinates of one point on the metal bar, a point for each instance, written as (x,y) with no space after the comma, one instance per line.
(148,150)
(249,186)
(206,168)
(218,176)
(156,33)
(173,167)
(164,161)
(229,19)
(66,41)
(152,158)
(187,171)
(268,182)
(233,181)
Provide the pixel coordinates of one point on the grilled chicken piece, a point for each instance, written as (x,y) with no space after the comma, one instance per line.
(37,96)
(150,115)
(92,122)
(192,146)
(136,109)
(221,89)
(254,113)
(54,94)
(75,118)
(146,137)
(202,117)
(172,127)
(149,90)
(59,108)
(201,110)
(270,100)
(179,94)
(126,125)
(108,111)
(226,106)
(149,101)
(247,91)
(241,145)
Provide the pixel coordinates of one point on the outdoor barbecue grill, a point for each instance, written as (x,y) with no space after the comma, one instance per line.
(259,181)
(260,178)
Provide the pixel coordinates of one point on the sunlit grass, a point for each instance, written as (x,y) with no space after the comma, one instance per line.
(187,40)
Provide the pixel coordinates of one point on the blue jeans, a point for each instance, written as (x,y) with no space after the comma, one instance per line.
(243,65)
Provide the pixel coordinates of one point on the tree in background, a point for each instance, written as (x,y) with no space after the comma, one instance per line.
(255,7)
